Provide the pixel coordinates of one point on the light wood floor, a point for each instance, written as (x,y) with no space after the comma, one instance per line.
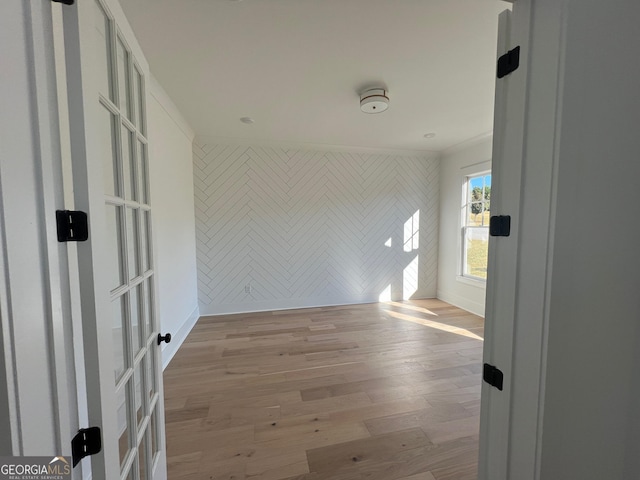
(378,392)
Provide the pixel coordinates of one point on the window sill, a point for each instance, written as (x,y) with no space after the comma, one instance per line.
(472,281)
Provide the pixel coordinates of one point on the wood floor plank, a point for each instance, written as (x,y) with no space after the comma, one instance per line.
(420,476)
(387,391)
(354,454)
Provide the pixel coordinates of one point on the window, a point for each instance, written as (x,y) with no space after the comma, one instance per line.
(475,226)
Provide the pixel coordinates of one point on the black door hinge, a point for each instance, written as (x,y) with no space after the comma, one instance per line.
(493,376)
(66,2)
(500,226)
(87,442)
(509,62)
(73,226)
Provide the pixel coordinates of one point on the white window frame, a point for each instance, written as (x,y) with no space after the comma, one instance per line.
(476,170)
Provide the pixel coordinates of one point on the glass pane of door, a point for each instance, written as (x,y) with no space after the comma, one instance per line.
(142,458)
(123,424)
(143,165)
(128,164)
(102,50)
(132,242)
(135,299)
(123,78)
(119,338)
(139,95)
(108,152)
(144,236)
(148,306)
(114,245)
(139,394)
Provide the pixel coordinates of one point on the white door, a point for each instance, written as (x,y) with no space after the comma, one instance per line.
(506,169)
(106,76)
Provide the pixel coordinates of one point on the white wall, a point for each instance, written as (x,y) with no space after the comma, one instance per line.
(455,164)
(302,227)
(171,175)
(591,405)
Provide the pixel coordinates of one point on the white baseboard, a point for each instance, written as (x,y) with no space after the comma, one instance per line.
(459,301)
(281,304)
(170,349)
(289,304)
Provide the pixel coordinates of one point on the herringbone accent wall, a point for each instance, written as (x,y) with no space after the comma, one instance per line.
(284,228)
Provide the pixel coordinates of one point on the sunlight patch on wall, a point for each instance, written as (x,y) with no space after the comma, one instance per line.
(412,232)
(385,296)
(410,279)
(388,243)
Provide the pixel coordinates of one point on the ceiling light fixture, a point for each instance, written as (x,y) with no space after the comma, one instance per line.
(247,120)
(429,135)
(374,100)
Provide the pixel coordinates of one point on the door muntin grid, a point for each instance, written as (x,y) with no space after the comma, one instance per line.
(127,207)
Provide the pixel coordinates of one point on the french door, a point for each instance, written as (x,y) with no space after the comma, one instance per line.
(106,78)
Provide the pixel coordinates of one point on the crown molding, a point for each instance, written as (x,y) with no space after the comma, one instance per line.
(204,139)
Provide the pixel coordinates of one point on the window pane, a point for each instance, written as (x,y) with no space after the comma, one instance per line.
(476,214)
(475,225)
(477,248)
(475,188)
(487,194)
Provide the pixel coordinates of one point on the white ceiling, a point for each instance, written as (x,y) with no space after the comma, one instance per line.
(297,66)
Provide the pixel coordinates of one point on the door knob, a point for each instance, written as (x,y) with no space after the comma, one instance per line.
(166,338)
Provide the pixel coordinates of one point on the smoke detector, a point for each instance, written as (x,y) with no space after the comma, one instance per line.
(374,100)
